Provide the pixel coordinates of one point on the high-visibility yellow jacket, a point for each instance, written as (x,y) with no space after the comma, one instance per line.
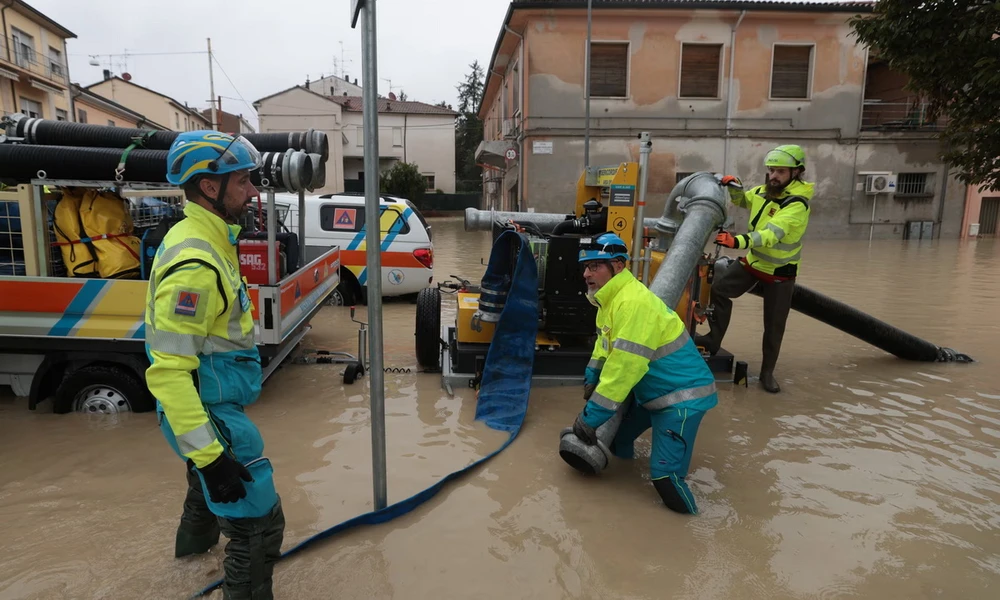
(199,330)
(643,347)
(776,227)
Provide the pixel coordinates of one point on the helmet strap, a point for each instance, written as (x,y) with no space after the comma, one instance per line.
(219,202)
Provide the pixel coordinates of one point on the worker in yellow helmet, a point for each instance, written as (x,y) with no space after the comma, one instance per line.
(205,367)
(779,217)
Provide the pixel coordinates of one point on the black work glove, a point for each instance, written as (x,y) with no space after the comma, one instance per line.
(586,433)
(588,390)
(222,478)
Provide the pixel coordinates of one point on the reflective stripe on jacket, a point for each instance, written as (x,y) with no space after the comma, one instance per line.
(199,330)
(643,347)
(776,227)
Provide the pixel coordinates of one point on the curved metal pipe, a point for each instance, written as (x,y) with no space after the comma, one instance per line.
(701,203)
(482,220)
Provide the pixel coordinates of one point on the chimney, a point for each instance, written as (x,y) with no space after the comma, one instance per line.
(107,74)
(355,81)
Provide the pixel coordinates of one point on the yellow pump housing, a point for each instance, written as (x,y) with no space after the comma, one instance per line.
(617,188)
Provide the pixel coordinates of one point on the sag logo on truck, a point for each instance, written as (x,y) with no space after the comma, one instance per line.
(251,260)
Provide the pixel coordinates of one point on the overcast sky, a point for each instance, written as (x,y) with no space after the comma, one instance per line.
(424,47)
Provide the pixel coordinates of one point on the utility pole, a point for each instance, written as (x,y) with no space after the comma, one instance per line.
(211,86)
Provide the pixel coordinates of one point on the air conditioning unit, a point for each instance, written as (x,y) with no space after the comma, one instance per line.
(880,183)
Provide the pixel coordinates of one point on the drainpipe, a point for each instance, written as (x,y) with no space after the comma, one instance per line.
(13,90)
(729,92)
(69,83)
(520,105)
(944,191)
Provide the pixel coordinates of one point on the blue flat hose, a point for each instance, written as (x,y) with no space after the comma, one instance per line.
(505,385)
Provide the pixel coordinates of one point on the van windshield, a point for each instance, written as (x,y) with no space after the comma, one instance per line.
(423,221)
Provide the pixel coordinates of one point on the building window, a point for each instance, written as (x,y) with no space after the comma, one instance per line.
(177,121)
(515,80)
(700,67)
(111,123)
(56,63)
(397,136)
(429,180)
(361,136)
(24,48)
(790,72)
(61,115)
(682,175)
(81,115)
(609,69)
(912,184)
(31,108)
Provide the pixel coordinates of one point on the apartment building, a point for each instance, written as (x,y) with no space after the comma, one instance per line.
(717,83)
(413,132)
(34,72)
(160,108)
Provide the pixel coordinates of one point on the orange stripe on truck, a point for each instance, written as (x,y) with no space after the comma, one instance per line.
(359,258)
(37,296)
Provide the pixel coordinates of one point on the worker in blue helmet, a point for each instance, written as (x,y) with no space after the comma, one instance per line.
(205,367)
(644,351)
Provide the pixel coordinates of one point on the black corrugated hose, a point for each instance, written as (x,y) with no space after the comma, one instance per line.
(45,132)
(863,326)
(20,163)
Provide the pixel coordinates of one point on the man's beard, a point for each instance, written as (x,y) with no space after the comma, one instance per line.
(773,190)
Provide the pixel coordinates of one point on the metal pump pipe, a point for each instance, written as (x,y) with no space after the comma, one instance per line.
(684,230)
(482,220)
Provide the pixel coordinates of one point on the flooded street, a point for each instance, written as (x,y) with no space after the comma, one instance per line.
(866,477)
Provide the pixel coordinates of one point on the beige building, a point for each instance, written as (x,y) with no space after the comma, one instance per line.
(408,131)
(717,84)
(98,110)
(34,76)
(157,107)
(331,85)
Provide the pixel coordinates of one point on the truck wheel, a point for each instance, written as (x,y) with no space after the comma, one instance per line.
(428,328)
(103,389)
(345,294)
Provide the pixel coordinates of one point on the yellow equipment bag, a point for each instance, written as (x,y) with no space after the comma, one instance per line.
(94,231)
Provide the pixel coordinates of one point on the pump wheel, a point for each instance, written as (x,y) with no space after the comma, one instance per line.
(428,328)
(103,389)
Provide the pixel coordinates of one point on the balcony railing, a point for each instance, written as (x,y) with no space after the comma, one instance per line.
(897,116)
(30,61)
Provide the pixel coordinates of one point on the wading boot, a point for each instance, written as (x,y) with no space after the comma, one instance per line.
(769,382)
(199,528)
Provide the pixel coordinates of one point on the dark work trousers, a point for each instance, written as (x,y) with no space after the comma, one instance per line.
(734,281)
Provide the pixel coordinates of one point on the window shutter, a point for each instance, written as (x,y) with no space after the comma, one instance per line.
(609,70)
(700,70)
(790,73)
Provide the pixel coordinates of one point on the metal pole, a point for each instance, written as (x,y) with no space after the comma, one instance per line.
(302,228)
(369,57)
(871,228)
(272,232)
(586,94)
(645,147)
(211,86)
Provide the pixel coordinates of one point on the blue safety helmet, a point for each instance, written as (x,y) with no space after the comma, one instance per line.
(209,153)
(606,246)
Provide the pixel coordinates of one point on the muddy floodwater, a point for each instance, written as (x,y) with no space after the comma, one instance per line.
(866,477)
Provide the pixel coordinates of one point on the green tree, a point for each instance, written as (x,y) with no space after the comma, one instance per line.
(404,180)
(469,130)
(950,50)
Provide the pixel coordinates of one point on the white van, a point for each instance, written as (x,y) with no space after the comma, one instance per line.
(339,219)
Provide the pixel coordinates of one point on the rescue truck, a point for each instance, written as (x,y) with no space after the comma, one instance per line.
(80,339)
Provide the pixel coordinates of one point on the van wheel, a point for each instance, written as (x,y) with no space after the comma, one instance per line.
(103,389)
(428,328)
(345,294)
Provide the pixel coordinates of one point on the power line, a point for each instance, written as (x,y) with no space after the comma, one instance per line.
(238,93)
